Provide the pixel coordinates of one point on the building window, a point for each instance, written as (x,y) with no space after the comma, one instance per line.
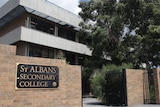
(42,25)
(70,58)
(37,51)
(66,33)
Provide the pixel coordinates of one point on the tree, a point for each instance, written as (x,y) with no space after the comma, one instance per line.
(128,31)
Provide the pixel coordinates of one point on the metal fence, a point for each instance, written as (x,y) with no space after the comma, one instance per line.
(116,88)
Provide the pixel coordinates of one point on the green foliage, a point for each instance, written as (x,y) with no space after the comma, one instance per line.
(98,78)
(103,30)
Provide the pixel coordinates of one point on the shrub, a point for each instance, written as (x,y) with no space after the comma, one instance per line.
(98,79)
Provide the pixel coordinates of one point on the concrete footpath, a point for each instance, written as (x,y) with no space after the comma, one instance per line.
(93,102)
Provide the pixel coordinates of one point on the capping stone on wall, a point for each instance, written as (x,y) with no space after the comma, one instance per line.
(68,94)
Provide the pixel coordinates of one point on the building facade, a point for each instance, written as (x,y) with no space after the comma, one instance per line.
(41,29)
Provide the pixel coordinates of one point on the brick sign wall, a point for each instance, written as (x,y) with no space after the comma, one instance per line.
(37,82)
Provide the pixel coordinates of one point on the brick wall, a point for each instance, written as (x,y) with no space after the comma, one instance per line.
(156,73)
(134,83)
(68,94)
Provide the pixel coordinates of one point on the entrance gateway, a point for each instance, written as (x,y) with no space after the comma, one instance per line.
(126,87)
(40,82)
(133,87)
(37,82)
(116,88)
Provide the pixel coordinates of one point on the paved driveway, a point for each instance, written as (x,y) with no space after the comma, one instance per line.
(93,102)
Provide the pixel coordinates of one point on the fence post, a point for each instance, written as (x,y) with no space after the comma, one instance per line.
(146,88)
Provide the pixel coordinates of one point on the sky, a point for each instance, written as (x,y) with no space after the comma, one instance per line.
(70,5)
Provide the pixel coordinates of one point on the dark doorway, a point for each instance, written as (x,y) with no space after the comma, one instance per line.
(116,88)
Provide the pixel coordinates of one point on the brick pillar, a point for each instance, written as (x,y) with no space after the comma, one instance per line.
(135,86)
(157,84)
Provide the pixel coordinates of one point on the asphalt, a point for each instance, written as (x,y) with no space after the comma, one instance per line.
(93,102)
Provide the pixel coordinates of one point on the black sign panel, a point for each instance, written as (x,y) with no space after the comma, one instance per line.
(37,76)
